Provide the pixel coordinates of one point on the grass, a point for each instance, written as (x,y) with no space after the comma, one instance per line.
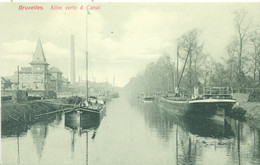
(25,111)
(252,109)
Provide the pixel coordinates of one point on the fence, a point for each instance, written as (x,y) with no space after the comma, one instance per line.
(245,90)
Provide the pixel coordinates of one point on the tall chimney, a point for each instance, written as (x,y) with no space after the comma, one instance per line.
(72,61)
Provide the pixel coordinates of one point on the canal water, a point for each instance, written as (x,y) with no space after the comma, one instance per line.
(132,132)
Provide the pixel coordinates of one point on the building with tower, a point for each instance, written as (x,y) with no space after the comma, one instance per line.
(39,77)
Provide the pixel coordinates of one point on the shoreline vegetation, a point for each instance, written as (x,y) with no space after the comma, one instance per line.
(25,111)
(28,112)
(243,108)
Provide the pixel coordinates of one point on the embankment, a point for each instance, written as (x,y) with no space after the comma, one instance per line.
(26,112)
(250,110)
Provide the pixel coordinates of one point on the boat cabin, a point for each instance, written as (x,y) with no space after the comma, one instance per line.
(217,91)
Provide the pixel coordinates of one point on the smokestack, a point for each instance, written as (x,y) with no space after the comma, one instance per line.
(72,62)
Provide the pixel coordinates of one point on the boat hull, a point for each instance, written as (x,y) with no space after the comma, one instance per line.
(83,119)
(210,107)
(148,99)
(176,107)
(97,110)
(202,108)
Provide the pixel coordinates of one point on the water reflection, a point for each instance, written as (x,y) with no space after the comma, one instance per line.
(204,127)
(15,130)
(39,133)
(131,133)
(196,137)
(80,123)
(155,118)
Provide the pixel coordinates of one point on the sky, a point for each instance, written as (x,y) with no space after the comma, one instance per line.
(122,37)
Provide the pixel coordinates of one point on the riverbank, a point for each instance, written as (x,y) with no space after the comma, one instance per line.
(250,110)
(26,112)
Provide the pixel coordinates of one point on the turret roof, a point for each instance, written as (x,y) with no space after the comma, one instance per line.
(39,56)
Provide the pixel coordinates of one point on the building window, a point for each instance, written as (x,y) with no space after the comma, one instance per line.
(36,85)
(23,86)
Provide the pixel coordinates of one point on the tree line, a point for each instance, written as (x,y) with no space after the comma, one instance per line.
(239,68)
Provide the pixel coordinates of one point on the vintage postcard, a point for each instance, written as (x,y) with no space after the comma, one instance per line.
(118,83)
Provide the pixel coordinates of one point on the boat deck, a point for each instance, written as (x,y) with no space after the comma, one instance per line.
(213,101)
(93,109)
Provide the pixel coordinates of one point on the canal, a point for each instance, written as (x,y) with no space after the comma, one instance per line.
(132,132)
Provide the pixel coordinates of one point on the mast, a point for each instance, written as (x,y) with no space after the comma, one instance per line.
(113,83)
(72,60)
(87,55)
(86,147)
(173,77)
(106,83)
(177,76)
(183,68)
(190,88)
(177,162)
(18,77)
(18,149)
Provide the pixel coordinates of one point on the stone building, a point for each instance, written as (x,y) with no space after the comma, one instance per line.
(39,76)
(56,78)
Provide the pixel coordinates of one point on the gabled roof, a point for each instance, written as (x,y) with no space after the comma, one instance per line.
(13,79)
(3,80)
(26,70)
(54,70)
(39,56)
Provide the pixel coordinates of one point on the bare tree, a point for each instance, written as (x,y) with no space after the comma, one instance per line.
(190,50)
(232,62)
(254,55)
(242,27)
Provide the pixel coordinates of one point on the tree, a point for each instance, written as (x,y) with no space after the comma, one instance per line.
(191,52)
(254,56)
(232,63)
(242,27)
(165,68)
(157,77)
(7,84)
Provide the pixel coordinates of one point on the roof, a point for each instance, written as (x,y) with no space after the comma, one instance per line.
(65,79)
(26,70)
(39,56)
(11,78)
(54,70)
(3,80)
